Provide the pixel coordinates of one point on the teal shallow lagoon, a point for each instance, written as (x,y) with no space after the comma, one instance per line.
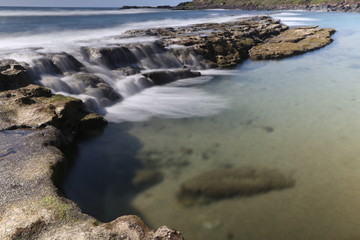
(299,115)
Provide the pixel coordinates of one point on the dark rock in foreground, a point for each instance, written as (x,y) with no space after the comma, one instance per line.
(225,183)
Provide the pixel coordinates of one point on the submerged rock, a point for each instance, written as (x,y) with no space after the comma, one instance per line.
(292,42)
(146,177)
(226,183)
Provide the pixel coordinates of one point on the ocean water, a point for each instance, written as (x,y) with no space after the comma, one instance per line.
(299,116)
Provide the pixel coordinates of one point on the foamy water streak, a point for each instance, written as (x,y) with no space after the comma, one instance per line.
(293,19)
(167,102)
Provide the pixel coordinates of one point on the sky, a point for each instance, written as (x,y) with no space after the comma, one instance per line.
(88,3)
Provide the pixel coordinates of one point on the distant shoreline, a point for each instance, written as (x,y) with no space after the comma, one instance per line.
(323,7)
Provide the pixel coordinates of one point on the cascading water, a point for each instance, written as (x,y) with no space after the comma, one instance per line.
(106,75)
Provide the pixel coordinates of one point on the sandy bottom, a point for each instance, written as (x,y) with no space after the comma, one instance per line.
(300,120)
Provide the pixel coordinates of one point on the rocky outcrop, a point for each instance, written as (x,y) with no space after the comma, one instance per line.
(292,42)
(225,45)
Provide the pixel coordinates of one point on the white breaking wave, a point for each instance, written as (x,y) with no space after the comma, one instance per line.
(166,102)
(293,19)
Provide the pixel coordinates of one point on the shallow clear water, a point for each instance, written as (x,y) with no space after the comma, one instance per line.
(299,115)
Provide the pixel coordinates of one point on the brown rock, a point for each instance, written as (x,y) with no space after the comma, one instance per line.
(34,107)
(292,42)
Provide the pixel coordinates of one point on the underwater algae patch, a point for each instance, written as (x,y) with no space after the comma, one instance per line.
(225,183)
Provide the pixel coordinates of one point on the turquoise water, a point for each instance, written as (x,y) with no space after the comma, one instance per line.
(299,116)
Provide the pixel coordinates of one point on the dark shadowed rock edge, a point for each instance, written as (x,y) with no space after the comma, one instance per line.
(37,126)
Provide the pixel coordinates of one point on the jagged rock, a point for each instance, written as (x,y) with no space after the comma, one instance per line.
(34,106)
(292,42)
(12,75)
(225,183)
(164,77)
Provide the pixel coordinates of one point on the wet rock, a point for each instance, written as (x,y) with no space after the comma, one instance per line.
(226,183)
(55,63)
(112,57)
(13,75)
(146,178)
(292,42)
(164,77)
(95,86)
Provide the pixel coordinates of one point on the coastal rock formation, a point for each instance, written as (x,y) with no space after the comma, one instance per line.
(225,45)
(218,44)
(225,183)
(292,42)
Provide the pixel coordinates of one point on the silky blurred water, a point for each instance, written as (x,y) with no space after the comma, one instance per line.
(299,115)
